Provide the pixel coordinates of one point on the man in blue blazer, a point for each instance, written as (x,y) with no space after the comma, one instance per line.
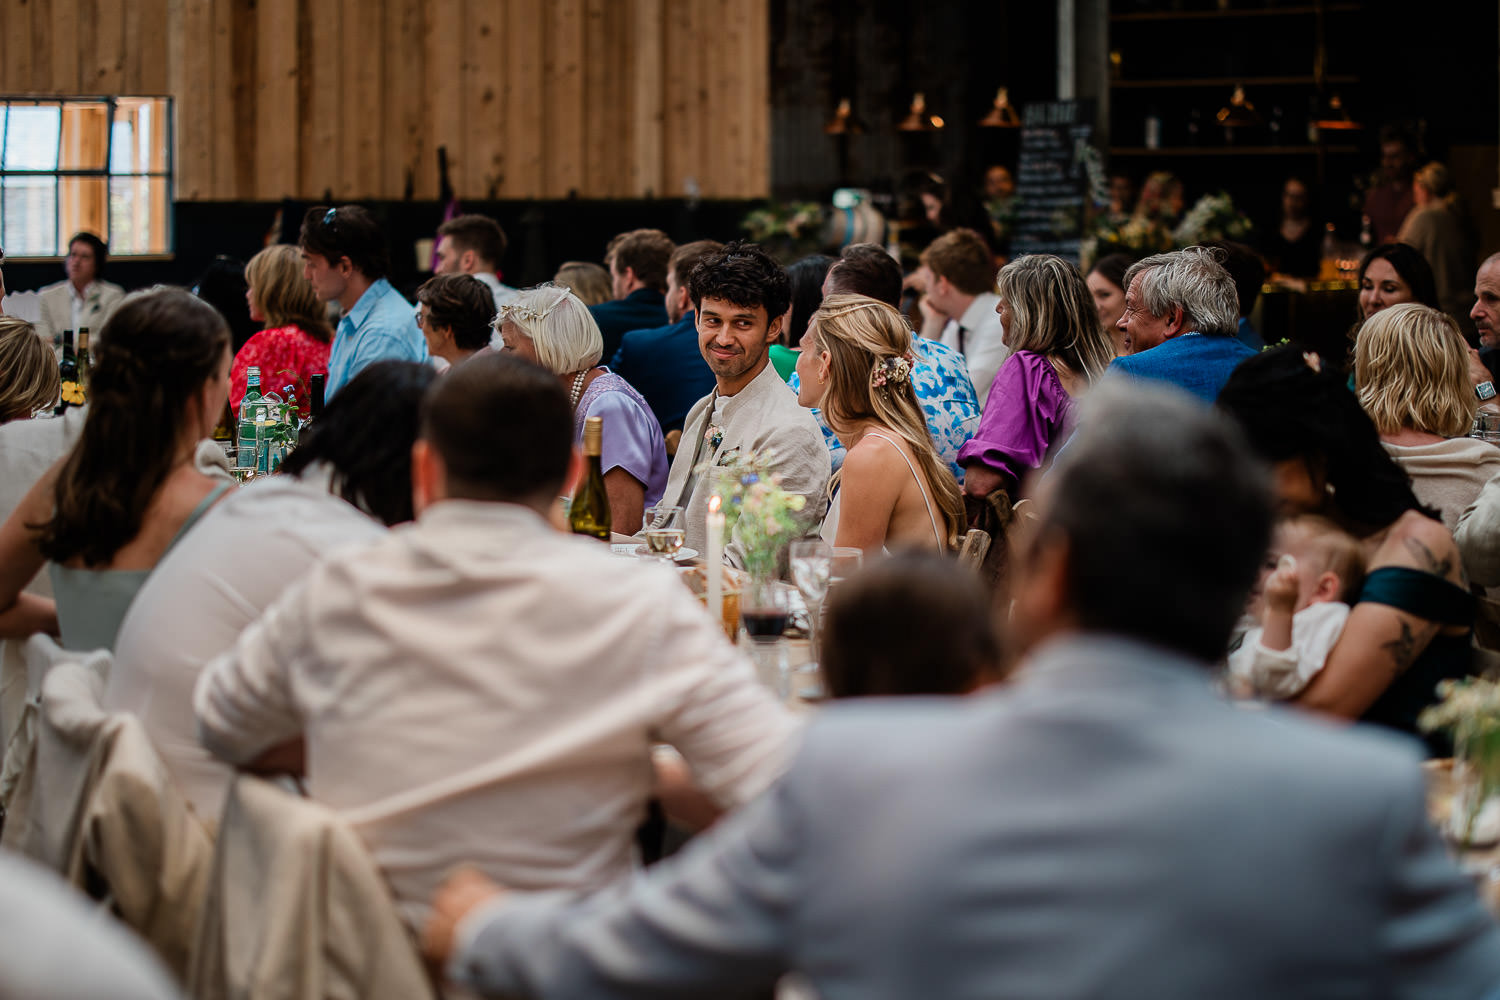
(1104,825)
(665,363)
(637,263)
(1181,318)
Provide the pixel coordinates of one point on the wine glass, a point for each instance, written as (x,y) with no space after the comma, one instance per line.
(662,526)
(765,606)
(843,563)
(811,560)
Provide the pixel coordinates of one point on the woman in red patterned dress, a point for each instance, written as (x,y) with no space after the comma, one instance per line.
(295,341)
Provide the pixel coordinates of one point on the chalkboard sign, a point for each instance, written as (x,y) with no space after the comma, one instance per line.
(1052,183)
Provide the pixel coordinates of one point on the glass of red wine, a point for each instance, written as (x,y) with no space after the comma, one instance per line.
(764,608)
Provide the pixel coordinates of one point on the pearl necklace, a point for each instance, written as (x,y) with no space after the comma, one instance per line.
(577,389)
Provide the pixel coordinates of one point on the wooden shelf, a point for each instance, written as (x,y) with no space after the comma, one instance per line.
(1230,82)
(1208,15)
(1170,151)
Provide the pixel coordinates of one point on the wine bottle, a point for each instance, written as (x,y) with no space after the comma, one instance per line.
(69,392)
(85,362)
(589,513)
(315,396)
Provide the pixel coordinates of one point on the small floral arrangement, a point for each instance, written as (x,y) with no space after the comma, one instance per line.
(1138,235)
(1212,218)
(1469,710)
(891,371)
(714,435)
(788,230)
(766,517)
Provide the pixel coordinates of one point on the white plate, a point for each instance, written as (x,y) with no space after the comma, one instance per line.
(684,554)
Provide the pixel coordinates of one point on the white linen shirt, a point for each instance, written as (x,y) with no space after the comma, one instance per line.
(216,580)
(479,687)
(983,342)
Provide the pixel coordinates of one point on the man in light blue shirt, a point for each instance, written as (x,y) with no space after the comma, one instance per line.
(345,259)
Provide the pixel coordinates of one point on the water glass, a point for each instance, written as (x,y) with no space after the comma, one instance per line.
(662,528)
(1487,427)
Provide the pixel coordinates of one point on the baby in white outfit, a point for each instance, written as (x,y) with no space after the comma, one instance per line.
(1303,606)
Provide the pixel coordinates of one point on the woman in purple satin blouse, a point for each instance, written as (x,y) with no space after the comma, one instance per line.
(551,326)
(1058,351)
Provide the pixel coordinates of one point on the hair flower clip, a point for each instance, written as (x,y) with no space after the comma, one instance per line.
(891,371)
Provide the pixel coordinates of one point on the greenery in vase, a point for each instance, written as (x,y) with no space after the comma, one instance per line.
(765,517)
(1469,710)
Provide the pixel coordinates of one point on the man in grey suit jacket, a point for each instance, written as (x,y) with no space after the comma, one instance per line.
(84,300)
(1104,826)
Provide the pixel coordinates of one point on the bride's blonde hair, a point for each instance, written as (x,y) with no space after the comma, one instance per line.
(869,378)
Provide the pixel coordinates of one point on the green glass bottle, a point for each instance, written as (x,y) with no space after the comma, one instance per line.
(589,513)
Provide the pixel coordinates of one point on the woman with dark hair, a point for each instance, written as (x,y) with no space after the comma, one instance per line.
(955,651)
(295,338)
(348,479)
(222,285)
(1391,274)
(1412,624)
(807,277)
(130,487)
(1106,281)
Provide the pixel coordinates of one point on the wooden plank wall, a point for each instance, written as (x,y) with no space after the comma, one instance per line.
(532,98)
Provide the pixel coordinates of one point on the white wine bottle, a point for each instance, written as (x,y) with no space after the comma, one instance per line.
(589,513)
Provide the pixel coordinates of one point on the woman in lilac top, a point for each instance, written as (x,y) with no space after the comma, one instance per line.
(1058,350)
(551,326)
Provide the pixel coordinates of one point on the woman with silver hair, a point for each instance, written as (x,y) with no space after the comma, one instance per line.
(550,326)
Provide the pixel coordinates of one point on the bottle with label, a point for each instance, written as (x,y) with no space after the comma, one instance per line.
(70,393)
(262,442)
(1153,129)
(589,513)
(246,431)
(85,362)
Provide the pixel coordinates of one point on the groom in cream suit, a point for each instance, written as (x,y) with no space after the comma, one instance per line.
(83,300)
(1105,825)
(739,296)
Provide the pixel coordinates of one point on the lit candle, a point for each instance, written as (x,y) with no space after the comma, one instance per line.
(713,565)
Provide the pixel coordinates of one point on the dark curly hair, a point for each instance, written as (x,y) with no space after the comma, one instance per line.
(743,275)
(365,436)
(1290,409)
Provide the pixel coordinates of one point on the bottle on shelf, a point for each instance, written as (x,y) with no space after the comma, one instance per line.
(1153,128)
(589,512)
(1328,269)
(1366,232)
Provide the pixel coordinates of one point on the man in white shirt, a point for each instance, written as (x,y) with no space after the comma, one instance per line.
(957,278)
(348,479)
(739,297)
(474,245)
(479,687)
(83,300)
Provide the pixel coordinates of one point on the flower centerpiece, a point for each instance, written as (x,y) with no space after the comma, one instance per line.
(788,230)
(762,516)
(1212,218)
(1469,710)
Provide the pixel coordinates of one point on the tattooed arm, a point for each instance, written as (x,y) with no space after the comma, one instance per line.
(1379,642)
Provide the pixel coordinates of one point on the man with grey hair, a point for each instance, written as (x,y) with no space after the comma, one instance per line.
(1181,316)
(1071,828)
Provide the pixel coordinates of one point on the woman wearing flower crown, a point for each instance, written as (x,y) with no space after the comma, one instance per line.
(893,490)
(1058,351)
(550,326)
